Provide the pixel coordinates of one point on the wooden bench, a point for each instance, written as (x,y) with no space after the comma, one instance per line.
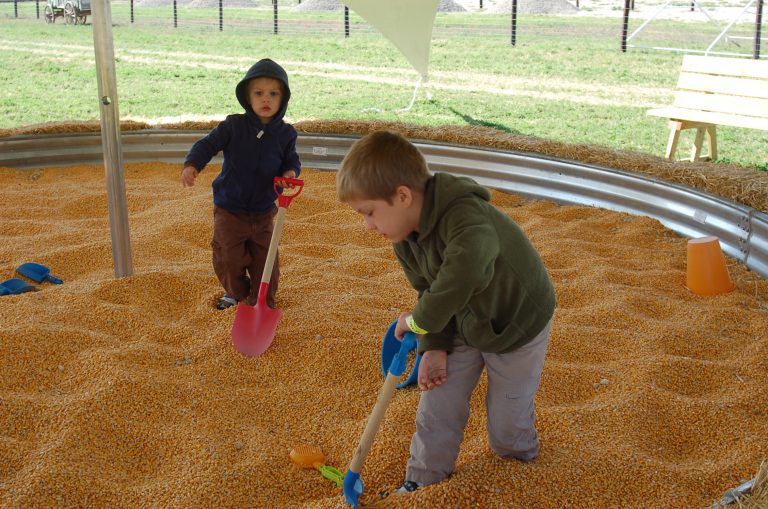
(715,91)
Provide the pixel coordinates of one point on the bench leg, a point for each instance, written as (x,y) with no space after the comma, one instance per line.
(696,149)
(711,131)
(675,127)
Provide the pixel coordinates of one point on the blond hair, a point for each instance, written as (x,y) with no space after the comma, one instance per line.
(377,164)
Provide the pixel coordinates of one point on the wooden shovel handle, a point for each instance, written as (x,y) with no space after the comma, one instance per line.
(283,201)
(374,421)
(277,231)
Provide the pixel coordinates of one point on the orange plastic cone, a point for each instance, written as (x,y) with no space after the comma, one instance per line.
(707,273)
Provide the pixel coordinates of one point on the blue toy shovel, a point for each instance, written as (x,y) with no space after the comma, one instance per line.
(15,286)
(37,272)
(389,348)
(353,486)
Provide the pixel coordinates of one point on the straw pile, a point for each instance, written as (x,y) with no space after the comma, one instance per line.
(127,393)
(736,183)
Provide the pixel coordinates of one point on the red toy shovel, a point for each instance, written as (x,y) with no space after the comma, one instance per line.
(254,327)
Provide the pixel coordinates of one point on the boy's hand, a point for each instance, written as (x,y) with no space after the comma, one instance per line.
(433,369)
(402,326)
(289,174)
(188,176)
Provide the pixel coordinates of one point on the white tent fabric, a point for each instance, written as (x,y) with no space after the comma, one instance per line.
(406,23)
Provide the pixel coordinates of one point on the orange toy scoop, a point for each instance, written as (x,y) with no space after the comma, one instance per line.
(307,456)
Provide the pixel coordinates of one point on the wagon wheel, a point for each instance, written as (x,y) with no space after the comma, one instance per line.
(70,14)
(50,17)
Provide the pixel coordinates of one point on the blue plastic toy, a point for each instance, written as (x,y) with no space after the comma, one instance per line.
(389,348)
(15,286)
(37,272)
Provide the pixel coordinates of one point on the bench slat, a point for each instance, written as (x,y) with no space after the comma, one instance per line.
(723,85)
(747,106)
(743,67)
(709,117)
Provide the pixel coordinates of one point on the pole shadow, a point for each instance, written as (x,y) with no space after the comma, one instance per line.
(475,122)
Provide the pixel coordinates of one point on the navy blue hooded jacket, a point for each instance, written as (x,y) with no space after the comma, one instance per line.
(254,153)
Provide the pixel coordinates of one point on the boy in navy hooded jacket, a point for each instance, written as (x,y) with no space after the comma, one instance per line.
(257,146)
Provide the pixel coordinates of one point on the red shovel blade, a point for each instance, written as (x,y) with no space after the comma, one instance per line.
(254,327)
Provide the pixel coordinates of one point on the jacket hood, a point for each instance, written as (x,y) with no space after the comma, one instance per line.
(264,68)
(443,190)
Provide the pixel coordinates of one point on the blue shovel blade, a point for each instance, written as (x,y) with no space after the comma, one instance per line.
(353,488)
(389,348)
(15,286)
(37,272)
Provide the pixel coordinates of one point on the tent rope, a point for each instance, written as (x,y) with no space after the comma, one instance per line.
(413,98)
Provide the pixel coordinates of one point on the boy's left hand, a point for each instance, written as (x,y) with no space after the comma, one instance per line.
(433,369)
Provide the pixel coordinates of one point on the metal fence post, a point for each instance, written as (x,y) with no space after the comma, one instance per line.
(625,26)
(221,16)
(175,16)
(514,23)
(274,17)
(758,23)
(346,21)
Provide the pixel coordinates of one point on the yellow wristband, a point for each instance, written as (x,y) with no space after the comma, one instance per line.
(412,325)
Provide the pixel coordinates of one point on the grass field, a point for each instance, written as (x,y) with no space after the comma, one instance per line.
(566,79)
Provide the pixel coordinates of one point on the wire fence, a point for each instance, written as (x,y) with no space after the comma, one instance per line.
(494,19)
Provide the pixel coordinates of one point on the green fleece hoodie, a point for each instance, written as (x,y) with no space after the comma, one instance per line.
(477,274)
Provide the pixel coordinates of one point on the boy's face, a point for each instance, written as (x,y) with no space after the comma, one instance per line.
(394,221)
(265,96)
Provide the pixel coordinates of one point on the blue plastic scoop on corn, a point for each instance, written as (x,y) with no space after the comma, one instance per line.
(353,486)
(37,273)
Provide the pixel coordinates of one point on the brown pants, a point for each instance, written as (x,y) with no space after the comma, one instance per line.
(513,379)
(240,244)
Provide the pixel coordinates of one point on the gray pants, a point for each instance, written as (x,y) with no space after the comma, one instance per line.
(513,379)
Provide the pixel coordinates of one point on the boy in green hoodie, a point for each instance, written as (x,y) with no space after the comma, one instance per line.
(485,300)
